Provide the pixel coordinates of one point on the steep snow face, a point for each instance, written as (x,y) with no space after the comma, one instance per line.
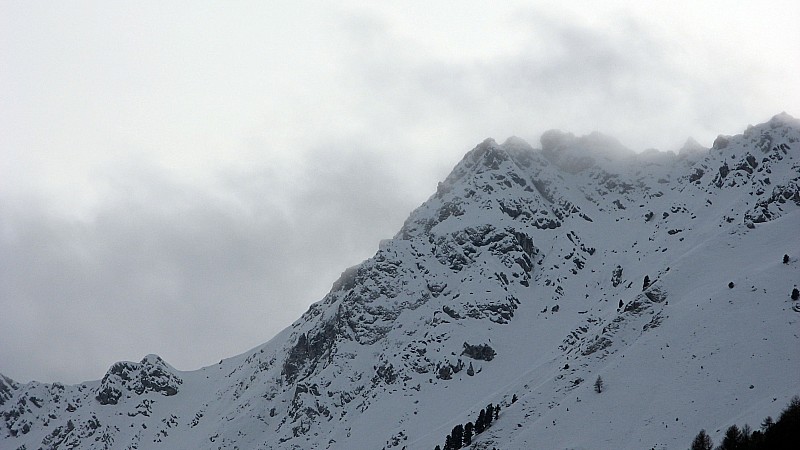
(528,273)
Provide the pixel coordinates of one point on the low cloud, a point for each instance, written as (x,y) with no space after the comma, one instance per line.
(193,273)
(195,209)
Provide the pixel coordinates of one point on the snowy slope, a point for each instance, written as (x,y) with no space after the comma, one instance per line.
(523,274)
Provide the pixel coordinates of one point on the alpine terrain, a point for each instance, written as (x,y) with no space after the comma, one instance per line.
(601,298)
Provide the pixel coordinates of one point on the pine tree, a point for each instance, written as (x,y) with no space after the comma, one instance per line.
(786,259)
(746,434)
(480,424)
(468,429)
(457,437)
(732,439)
(702,442)
(496,412)
(785,433)
(448,443)
(489,415)
(646,283)
(767,423)
(795,294)
(438,448)
(598,385)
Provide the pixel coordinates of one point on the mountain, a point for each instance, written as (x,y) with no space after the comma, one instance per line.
(525,277)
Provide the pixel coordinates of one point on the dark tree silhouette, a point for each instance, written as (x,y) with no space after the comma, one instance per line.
(468,430)
(783,434)
(480,424)
(496,412)
(795,294)
(489,415)
(457,436)
(786,259)
(514,399)
(598,385)
(646,283)
(702,442)
(767,423)
(732,439)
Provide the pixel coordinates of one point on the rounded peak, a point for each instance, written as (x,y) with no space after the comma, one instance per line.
(721,142)
(155,360)
(152,358)
(552,140)
(487,144)
(783,119)
(603,143)
(516,143)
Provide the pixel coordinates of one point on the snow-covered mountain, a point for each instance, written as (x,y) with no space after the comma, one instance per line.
(528,274)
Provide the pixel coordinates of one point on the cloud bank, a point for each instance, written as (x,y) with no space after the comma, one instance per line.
(185,180)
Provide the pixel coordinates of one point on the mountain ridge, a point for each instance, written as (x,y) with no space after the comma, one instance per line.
(522,274)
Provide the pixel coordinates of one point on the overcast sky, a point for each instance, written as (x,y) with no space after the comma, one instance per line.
(186,178)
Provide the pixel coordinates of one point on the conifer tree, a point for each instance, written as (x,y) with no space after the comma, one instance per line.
(702,442)
(598,385)
(496,412)
(732,439)
(746,434)
(468,429)
(767,423)
(785,433)
(457,436)
(480,424)
(646,283)
(489,415)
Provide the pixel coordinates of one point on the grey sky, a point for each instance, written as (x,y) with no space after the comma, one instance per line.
(186,178)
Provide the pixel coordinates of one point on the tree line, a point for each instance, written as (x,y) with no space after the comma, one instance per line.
(462,435)
(781,435)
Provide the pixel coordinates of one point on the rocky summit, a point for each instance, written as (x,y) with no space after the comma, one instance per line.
(595,297)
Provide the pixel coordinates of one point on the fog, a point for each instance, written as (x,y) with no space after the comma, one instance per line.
(187,179)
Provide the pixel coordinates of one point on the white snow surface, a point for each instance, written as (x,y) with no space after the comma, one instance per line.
(529,252)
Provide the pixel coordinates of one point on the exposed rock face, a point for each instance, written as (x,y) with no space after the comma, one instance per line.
(7,387)
(152,374)
(521,275)
(482,352)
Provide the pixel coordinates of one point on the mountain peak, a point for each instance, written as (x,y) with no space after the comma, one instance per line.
(691,146)
(517,284)
(575,154)
(784,118)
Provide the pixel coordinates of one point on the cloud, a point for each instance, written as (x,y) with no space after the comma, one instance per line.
(186,181)
(194,273)
(621,74)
